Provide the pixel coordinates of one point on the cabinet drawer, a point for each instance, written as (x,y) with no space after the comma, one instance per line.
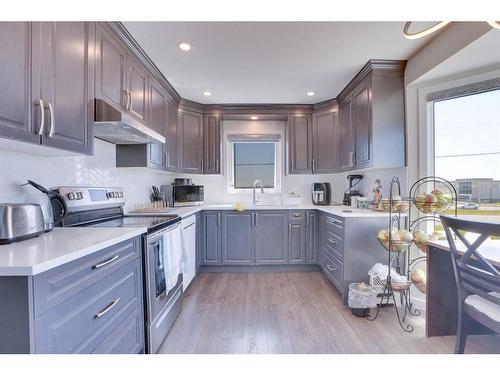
(333,244)
(80,324)
(334,224)
(333,269)
(127,337)
(55,286)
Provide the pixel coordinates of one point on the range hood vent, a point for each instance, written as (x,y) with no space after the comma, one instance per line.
(120,128)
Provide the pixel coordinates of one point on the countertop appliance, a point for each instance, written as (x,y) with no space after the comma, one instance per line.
(321,193)
(183,195)
(353,181)
(50,202)
(182,181)
(103,207)
(20,221)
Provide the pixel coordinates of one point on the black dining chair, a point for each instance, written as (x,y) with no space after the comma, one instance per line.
(477,278)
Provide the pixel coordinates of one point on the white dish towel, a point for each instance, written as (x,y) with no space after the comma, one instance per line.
(172,253)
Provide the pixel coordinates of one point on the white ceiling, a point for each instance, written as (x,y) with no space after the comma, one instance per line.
(268,62)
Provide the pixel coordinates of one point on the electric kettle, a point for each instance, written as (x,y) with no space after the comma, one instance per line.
(51,202)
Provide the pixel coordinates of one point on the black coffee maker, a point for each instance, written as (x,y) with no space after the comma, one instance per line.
(354,180)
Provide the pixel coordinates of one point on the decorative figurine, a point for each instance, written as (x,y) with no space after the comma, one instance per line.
(377,195)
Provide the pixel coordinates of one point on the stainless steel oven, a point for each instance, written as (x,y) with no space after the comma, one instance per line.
(162,304)
(183,195)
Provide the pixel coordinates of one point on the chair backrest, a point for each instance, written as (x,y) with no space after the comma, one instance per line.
(474,274)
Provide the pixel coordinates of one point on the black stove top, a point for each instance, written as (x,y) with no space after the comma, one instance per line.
(153,223)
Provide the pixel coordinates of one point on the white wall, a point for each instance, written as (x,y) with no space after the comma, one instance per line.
(97,170)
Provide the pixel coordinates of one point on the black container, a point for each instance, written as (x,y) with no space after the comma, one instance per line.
(360,312)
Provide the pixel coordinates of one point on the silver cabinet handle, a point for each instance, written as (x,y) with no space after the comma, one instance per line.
(217,165)
(330,267)
(292,165)
(201,164)
(332,241)
(333,221)
(129,101)
(106,309)
(106,262)
(42,116)
(218,219)
(307,219)
(52,125)
(125,94)
(297,214)
(314,165)
(256,214)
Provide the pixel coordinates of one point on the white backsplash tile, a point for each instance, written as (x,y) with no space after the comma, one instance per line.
(99,170)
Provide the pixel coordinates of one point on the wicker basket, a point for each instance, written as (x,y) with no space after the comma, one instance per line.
(394,205)
(421,245)
(397,245)
(433,207)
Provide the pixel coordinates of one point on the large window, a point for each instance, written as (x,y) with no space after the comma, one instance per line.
(254,161)
(467,149)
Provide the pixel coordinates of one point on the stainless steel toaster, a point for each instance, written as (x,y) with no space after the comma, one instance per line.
(20,221)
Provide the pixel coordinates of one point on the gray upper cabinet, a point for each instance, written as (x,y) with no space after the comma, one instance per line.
(345,139)
(110,58)
(47,69)
(211,237)
(300,144)
(137,88)
(17,107)
(238,238)
(372,117)
(191,141)
(211,147)
(64,51)
(325,123)
(172,136)
(157,121)
(271,242)
(361,118)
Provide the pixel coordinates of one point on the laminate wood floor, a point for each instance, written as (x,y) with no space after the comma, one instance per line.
(296,312)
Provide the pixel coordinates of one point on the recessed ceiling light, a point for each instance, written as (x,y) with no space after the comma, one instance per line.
(310,93)
(184,46)
(207,93)
(254,118)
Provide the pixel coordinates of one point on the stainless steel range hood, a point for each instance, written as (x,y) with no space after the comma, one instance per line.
(121,128)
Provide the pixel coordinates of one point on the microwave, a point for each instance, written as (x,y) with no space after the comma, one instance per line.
(183,195)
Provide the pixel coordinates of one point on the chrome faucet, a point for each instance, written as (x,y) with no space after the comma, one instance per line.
(254,185)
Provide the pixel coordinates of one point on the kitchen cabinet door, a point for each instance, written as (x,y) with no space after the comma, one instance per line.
(158,99)
(110,58)
(211,238)
(271,242)
(16,106)
(238,238)
(299,128)
(172,136)
(324,125)
(211,147)
(345,139)
(311,238)
(297,237)
(362,122)
(137,88)
(67,76)
(191,137)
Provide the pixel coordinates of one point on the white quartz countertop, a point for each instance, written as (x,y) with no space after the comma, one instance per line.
(60,246)
(342,211)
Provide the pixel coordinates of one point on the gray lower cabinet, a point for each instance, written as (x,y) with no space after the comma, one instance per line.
(311,256)
(90,305)
(211,238)
(271,240)
(238,240)
(297,237)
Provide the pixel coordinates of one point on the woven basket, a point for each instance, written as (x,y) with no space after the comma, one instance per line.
(397,245)
(434,207)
